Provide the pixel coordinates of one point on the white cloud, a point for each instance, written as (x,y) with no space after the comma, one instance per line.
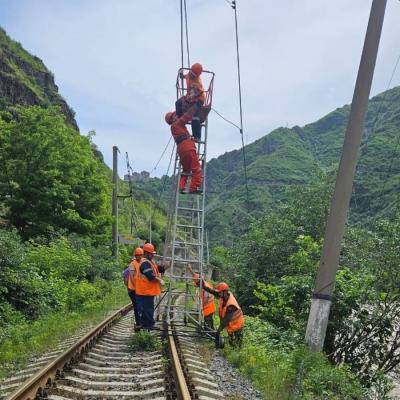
(115,62)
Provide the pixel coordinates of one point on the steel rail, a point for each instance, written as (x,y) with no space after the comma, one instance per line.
(181,386)
(38,383)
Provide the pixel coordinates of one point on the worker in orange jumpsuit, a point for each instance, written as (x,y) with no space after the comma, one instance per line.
(207,300)
(230,314)
(194,95)
(131,281)
(186,149)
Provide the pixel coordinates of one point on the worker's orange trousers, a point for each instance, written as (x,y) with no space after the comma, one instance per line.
(190,165)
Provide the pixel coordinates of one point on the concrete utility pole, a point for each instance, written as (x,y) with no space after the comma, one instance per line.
(115,204)
(325,282)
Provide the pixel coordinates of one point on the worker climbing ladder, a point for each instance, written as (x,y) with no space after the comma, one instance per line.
(185,243)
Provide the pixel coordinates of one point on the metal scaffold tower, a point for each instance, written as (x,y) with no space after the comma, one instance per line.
(185,239)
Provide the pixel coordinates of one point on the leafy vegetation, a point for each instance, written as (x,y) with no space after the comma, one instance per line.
(283,369)
(144,341)
(274,271)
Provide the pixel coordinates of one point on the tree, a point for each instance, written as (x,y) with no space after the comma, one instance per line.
(50,178)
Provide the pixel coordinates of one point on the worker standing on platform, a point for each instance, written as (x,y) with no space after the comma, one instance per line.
(148,286)
(194,95)
(207,300)
(230,314)
(186,150)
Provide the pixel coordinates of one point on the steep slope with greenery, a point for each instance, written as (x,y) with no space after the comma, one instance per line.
(25,80)
(55,215)
(288,157)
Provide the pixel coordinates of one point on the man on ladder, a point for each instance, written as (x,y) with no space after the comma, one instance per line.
(186,149)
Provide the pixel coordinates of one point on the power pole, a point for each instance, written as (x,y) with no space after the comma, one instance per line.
(115,204)
(325,282)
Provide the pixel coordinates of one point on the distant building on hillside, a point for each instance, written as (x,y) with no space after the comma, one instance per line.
(136,176)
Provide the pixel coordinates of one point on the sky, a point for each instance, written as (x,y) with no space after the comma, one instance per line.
(115,62)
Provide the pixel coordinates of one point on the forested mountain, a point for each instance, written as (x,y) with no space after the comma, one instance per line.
(293,156)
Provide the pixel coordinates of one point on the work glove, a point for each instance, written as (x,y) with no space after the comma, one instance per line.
(162,283)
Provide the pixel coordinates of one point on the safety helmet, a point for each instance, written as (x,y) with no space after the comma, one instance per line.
(222,286)
(169,116)
(149,248)
(138,251)
(197,69)
(196,278)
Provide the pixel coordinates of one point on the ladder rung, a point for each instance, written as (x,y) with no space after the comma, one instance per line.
(188,226)
(185,260)
(181,277)
(190,209)
(188,243)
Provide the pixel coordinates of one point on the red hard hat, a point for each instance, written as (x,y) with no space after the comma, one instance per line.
(196,278)
(222,286)
(138,251)
(197,69)
(169,116)
(149,248)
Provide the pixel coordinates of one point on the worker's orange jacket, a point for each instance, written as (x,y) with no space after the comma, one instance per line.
(195,89)
(134,269)
(208,301)
(145,287)
(237,322)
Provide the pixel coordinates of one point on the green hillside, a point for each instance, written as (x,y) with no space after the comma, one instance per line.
(25,80)
(288,157)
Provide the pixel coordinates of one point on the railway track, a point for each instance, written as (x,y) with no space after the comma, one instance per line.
(100,366)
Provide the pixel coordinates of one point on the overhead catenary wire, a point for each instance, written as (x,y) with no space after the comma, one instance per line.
(233,5)
(187,34)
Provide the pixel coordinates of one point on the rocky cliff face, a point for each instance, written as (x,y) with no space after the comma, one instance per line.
(25,80)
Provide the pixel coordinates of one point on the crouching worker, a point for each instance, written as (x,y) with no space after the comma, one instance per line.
(230,314)
(148,286)
(207,300)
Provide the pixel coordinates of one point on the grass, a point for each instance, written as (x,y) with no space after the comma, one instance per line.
(144,341)
(27,340)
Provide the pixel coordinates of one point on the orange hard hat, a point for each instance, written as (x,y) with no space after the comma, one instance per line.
(149,248)
(222,286)
(138,251)
(197,69)
(196,278)
(169,116)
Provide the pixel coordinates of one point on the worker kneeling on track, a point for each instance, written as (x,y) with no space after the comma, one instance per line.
(186,149)
(207,301)
(230,314)
(148,286)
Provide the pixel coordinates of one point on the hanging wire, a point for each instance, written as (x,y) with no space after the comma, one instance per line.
(187,35)
(181,8)
(162,155)
(165,178)
(234,6)
(226,119)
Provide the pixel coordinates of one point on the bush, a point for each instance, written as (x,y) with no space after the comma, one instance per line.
(290,372)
